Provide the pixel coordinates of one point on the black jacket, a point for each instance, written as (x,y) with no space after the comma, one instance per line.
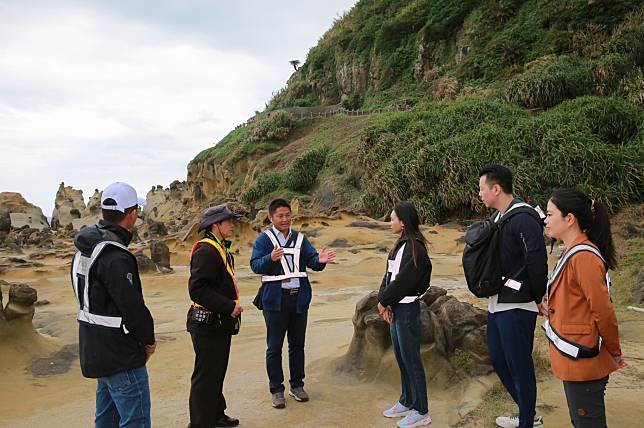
(411,280)
(211,286)
(115,290)
(522,250)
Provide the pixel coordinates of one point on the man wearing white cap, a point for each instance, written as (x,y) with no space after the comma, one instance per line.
(116,330)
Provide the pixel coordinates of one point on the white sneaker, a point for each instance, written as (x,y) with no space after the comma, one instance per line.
(513,421)
(397,411)
(414,419)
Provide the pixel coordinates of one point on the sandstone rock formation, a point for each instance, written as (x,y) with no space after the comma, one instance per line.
(453,338)
(145,264)
(169,203)
(20,306)
(5,221)
(31,236)
(69,205)
(93,207)
(21,212)
(156,228)
(160,254)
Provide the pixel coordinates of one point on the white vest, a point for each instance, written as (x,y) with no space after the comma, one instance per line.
(393,267)
(81,267)
(562,344)
(293,251)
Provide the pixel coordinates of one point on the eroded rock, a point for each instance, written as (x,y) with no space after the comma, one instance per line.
(21,302)
(160,254)
(145,264)
(68,205)
(449,328)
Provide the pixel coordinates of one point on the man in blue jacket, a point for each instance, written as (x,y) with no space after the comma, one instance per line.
(281,255)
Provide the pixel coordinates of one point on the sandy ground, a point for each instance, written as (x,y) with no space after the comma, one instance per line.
(41,384)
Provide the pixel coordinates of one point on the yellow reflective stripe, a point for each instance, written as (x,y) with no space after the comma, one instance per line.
(222,253)
(229,268)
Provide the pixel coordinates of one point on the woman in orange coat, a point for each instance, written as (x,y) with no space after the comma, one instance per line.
(581,324)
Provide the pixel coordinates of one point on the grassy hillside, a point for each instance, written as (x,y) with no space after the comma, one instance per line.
(554,90)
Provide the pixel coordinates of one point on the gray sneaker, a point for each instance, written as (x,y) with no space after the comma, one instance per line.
(299,394)
(278,400)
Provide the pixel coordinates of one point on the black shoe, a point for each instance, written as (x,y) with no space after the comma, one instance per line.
(226,421)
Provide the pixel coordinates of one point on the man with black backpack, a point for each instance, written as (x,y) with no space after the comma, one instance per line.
(520,254)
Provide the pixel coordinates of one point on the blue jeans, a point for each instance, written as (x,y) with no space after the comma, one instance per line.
(405,336)
(123,400)
(510,336)
(278,324)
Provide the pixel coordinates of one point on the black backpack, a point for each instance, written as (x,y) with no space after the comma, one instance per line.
(481,261)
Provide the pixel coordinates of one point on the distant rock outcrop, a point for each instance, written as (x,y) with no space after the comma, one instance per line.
(68,206)
(165,204)
(160,254)
(145,264)
(159,262)
(21,212)
(453,338)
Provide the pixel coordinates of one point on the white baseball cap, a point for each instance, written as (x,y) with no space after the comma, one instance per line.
(121,195)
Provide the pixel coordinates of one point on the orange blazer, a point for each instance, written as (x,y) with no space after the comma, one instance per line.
(581,310)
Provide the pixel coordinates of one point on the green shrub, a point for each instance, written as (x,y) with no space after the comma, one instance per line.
(225,147)
(354,102)
(275,126)
(265,184)
(549,83)
(628,37)
(614,120)
(632,85)
(432,157)
(304,170)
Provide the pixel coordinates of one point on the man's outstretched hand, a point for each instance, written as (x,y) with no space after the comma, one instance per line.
(326,256)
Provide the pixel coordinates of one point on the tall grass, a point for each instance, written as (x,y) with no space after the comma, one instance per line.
(433,157)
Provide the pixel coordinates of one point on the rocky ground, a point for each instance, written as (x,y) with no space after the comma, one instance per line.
(351,372)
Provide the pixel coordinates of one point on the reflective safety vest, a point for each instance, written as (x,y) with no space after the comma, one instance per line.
(224,256)
(393,267)
(292,251)
(565,346)
(81,266)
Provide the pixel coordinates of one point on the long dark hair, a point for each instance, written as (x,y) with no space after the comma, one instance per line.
(409,217)
(592,217)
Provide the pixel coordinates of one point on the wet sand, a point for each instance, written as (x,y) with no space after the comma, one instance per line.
(32,396)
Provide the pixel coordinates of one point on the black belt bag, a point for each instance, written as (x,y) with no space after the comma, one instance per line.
(200,315)
(224,322)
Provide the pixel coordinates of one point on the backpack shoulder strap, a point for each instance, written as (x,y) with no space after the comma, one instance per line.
(521,207)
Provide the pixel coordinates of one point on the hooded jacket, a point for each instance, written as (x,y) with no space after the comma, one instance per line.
(115,291)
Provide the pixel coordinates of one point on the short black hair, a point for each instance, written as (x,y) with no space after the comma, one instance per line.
(498,174)
(278,203)
(114,216)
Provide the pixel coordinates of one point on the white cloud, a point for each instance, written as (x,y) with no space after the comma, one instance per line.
(90,95)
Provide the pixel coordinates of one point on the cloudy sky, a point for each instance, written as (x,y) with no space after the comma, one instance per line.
(94,91)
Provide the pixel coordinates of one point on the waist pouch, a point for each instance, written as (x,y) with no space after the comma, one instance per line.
(226,323)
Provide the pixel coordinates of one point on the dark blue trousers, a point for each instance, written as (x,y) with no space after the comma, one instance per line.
(278,325)
(510,336)
(405,336)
